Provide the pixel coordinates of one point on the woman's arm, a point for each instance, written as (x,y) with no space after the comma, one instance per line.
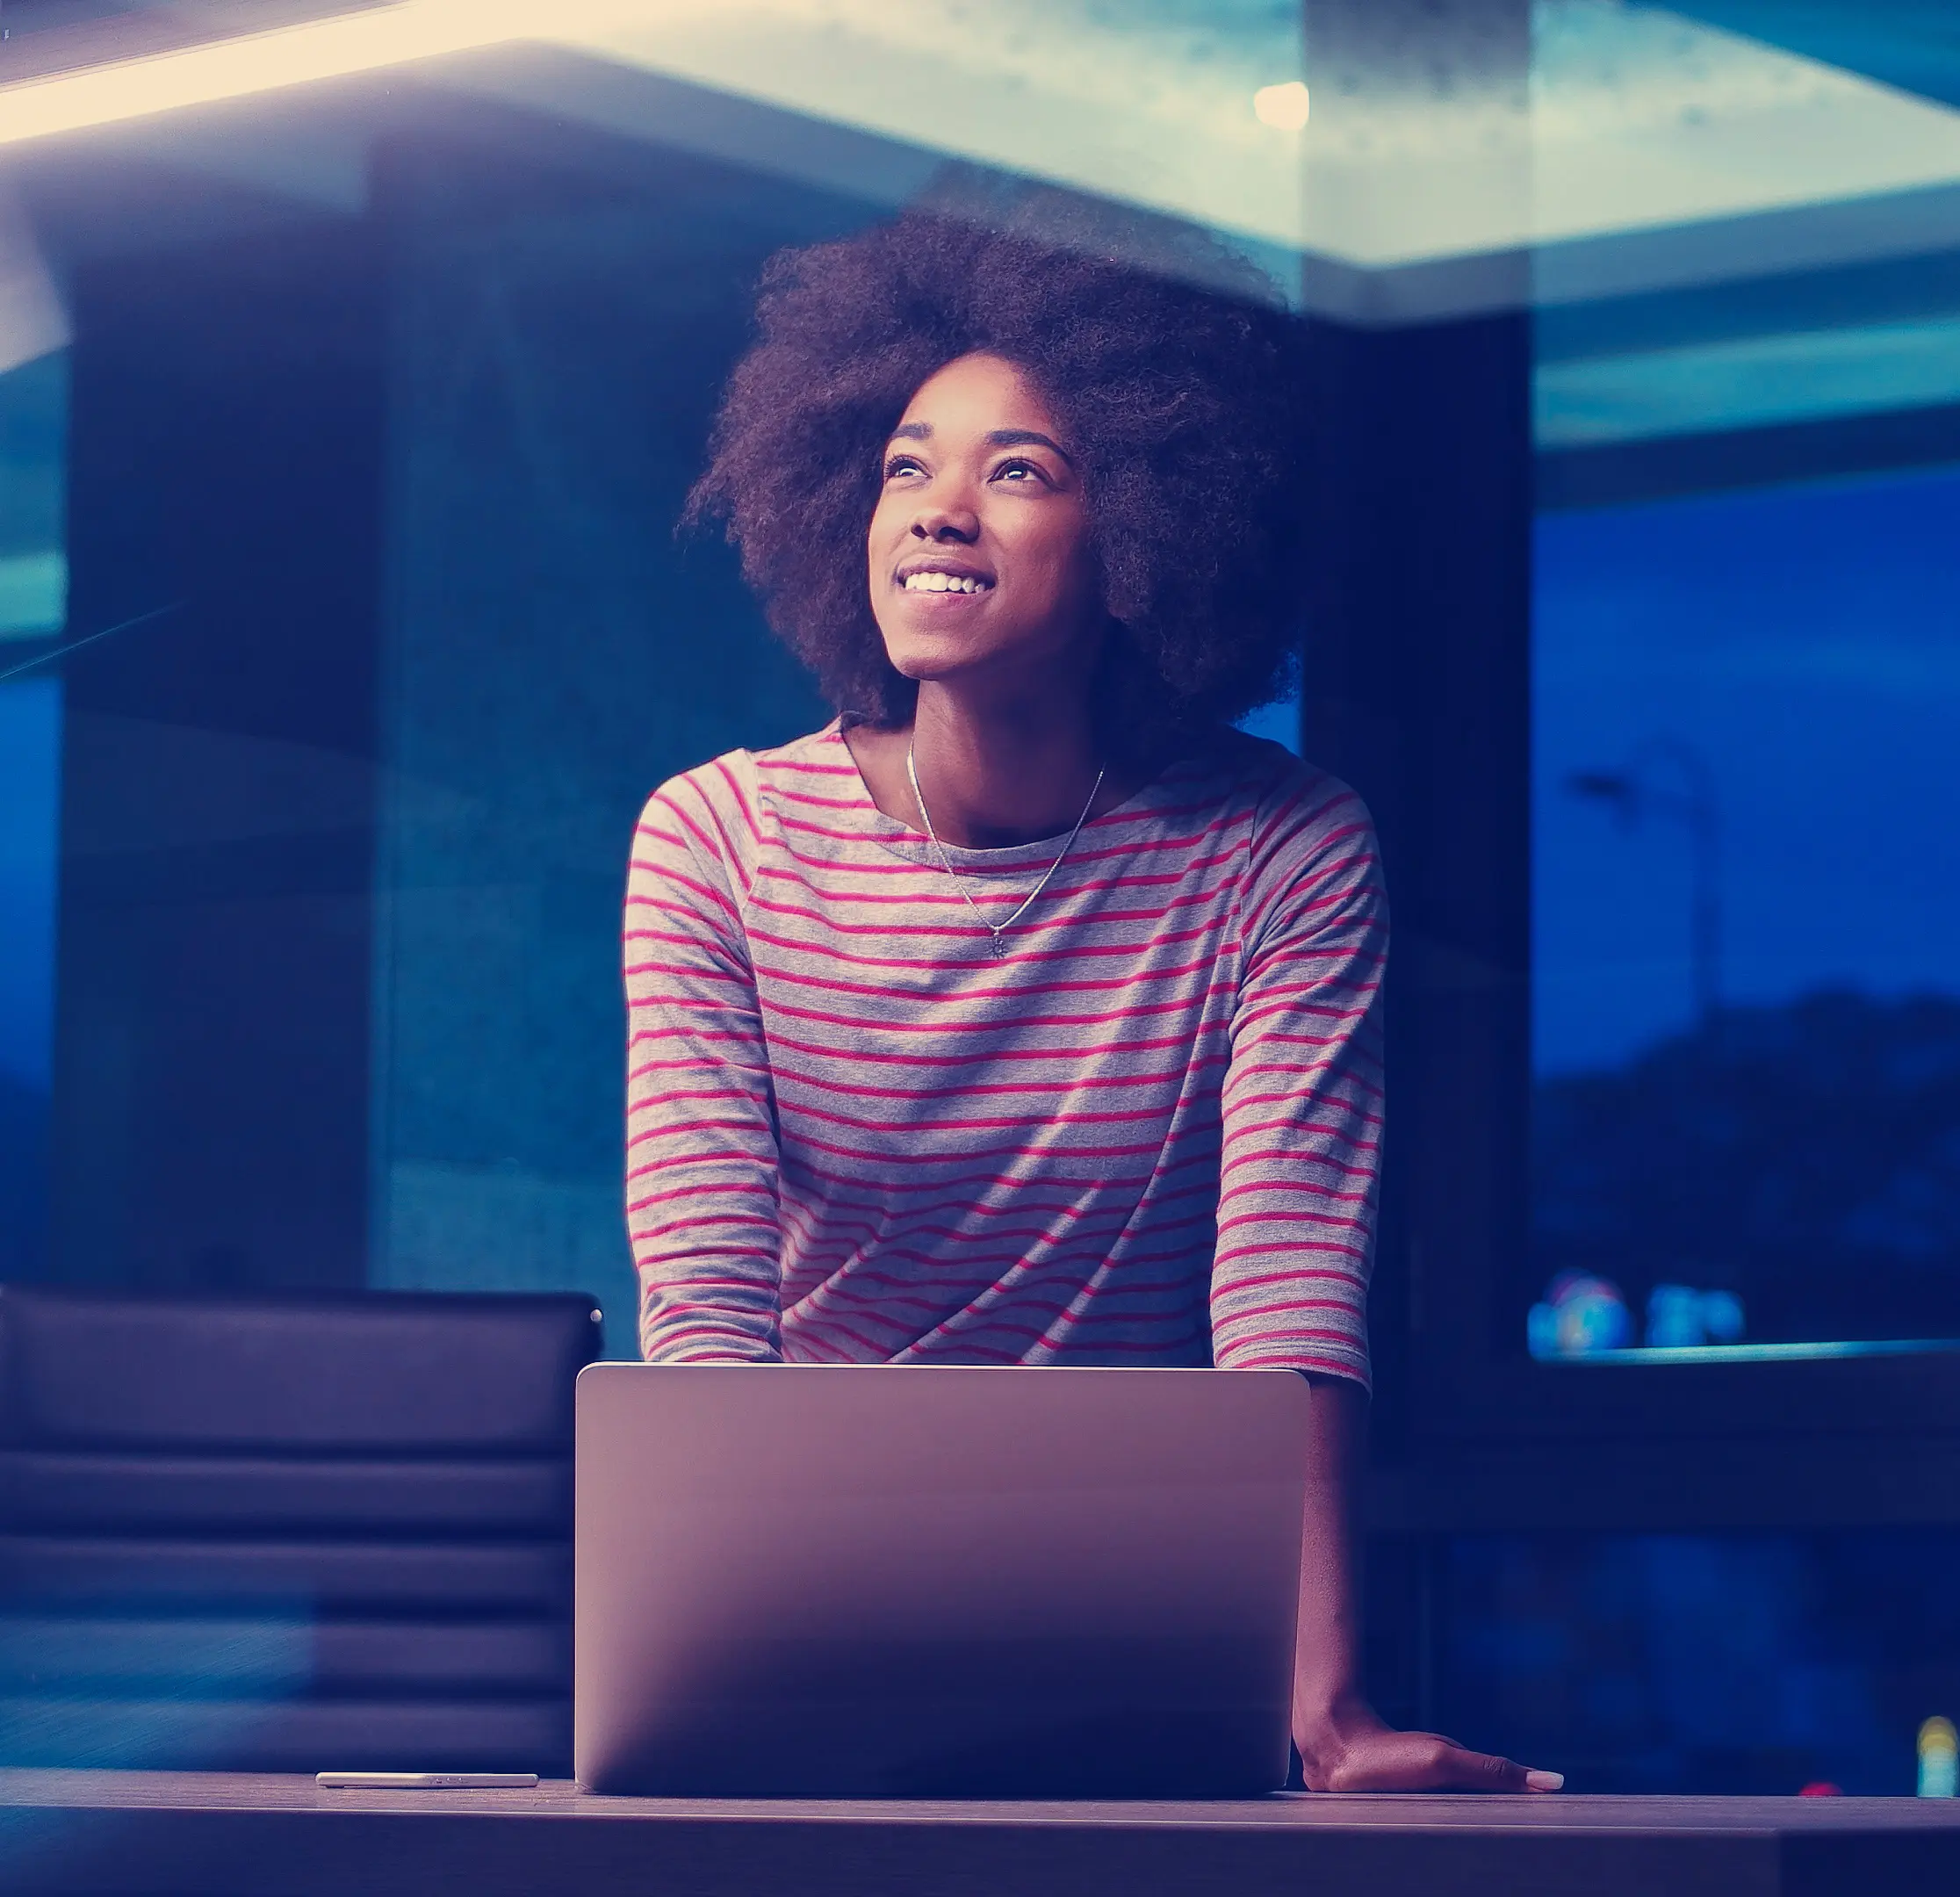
(1302,1096)
(1344,1744)
(1302,1147)
(700,1144)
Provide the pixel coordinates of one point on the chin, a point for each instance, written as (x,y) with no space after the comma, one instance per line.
(925,658)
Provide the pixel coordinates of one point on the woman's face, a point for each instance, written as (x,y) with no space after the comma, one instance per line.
(979,543)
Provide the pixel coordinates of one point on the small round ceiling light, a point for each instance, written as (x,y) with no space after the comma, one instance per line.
(1282,106)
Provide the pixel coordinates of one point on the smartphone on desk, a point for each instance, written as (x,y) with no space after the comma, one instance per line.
(424,1781)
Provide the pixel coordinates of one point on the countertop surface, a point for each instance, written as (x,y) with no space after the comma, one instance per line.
(244,1834)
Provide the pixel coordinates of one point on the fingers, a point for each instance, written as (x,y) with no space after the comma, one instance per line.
(1423,1762)
(1459,1770)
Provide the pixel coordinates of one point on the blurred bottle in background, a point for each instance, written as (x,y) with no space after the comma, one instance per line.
(1939,1759)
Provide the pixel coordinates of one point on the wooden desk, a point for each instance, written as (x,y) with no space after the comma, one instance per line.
(81,1834)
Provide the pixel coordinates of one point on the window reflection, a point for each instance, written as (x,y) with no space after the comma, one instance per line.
(1722,1663)
(1768,1114)
(1739,231)
(33,606)
(1746,412)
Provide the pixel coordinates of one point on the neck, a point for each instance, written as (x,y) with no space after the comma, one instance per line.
(1002,772)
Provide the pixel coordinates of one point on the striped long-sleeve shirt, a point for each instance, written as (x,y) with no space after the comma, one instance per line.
(1147,1135)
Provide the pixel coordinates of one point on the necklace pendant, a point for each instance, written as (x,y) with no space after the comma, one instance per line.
(998,937)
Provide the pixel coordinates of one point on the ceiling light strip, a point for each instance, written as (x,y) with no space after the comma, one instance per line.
(259,62)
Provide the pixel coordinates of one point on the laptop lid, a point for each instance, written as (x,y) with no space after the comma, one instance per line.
(901,1580)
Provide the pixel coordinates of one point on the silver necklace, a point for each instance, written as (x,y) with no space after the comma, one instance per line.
(999,934)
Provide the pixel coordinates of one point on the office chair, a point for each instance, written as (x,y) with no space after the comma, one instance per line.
(287,1532)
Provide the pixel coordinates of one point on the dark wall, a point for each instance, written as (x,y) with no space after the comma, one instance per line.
(1418,693)
(212,1077)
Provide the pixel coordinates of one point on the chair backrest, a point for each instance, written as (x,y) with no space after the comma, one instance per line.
(388,1371)
(286,1532)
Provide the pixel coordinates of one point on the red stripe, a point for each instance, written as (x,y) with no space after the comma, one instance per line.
(890,1058)
(786,1077)
(1171,1005)
(933,893)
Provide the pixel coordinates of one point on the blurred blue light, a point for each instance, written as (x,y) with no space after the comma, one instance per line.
(1729,1353)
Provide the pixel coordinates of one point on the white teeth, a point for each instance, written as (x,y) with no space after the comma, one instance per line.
(943,582)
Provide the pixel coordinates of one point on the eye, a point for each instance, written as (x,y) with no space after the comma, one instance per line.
(1021,472)
(900,464)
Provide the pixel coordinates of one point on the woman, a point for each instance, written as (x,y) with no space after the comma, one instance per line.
(1027,1013)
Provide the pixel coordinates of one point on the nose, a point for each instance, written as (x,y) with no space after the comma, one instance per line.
(940,524)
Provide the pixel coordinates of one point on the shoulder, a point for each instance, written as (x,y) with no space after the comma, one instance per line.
(724,808)
(703,817)
(1309,842)
(815,770)
(1290,812)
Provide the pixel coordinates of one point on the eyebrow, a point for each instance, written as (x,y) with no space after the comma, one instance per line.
(995,438)
(1024,438)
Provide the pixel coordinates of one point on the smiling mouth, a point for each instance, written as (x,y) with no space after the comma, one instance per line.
(939,579)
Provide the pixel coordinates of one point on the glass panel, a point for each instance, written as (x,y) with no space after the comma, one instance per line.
(1704,1663)
(33,604)
(385,402)
(1747,677)
(384,728)
(551,654)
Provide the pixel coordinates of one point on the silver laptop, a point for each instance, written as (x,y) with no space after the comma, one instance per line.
(901,1581)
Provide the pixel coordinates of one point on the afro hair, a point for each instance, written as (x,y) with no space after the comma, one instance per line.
(1175,379)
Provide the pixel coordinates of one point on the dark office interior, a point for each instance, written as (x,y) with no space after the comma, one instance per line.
(345,627)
